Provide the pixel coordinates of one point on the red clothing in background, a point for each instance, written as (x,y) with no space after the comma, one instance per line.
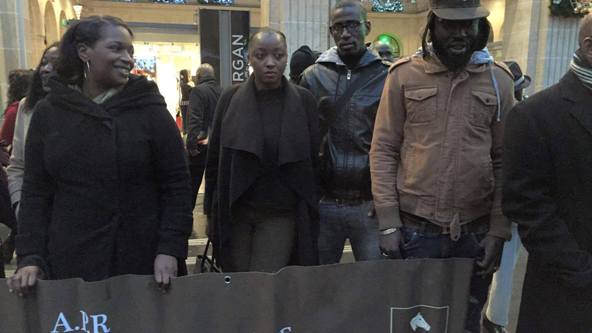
(7,130)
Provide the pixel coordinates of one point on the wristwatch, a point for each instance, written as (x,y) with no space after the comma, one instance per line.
(388,231)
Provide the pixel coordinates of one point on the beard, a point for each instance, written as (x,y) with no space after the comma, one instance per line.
(453,61)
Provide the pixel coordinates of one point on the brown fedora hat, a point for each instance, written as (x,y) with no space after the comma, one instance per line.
(458,9)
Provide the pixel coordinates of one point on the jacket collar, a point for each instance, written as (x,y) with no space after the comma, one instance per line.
(206,80)
(331,56)
(477,64)
(138,93)
(243,131)
(573,90)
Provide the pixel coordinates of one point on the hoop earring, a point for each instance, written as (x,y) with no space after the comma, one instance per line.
(87,63)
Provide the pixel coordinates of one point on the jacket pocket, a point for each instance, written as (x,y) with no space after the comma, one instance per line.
(420,104)
(483,109)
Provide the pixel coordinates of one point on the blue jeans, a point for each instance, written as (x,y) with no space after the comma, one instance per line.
(500,294)
(339,222)
(421,244)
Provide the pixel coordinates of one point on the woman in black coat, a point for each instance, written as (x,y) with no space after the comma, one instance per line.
(106,184)
(260,175)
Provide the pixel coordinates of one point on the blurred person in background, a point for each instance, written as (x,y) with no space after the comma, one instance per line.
(202,104)
(184,93)
(18,85)
(38,89)
(385,50)
(301,59)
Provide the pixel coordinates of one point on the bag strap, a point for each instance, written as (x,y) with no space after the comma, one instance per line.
(205,259)
(354,86)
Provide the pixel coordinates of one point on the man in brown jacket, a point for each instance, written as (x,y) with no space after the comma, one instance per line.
(436,153)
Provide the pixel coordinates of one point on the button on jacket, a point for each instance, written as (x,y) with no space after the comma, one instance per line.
(347,132)
(437,147)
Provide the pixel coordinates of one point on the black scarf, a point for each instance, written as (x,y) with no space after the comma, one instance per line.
(243,130)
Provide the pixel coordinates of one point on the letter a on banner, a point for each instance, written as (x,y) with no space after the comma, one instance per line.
(62,322)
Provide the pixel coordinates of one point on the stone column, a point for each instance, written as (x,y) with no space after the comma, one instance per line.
(305,22)
(10,49)
(542,44)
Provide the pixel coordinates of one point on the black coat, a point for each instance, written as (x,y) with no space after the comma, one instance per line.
(548,192)
(106,187)
(236,149)
(202,104)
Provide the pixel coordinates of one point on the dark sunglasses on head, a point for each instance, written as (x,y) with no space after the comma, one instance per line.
(349,25)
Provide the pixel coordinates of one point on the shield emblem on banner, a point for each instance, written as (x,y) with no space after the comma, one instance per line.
(420,319)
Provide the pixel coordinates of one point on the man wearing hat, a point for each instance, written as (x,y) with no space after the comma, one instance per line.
(301,59)
(436,154)
(500,294)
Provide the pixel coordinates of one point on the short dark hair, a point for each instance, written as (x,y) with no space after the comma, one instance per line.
(351,3)
(86,31)
(36,92)
(19,81)
(482,38)
(267,30)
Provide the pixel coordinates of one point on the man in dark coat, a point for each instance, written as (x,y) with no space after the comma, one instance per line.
(548,192)
(202,104)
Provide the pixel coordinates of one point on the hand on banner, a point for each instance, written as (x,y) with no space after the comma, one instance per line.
(165,268)
(24,280)
(492,247)
(390,245)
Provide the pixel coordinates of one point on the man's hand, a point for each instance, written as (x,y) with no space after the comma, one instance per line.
(203,142)
(165,268)
(24,280)
(492,247)
(390,245)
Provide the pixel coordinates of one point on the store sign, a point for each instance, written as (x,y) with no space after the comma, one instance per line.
(224,36)
(239,61)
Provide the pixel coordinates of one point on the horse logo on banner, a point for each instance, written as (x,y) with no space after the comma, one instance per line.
(420,319)
(419,322)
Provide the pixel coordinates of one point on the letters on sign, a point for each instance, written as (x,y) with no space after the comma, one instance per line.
(238,58)
(87,324)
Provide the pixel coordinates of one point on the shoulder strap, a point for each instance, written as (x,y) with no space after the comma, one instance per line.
(363,78)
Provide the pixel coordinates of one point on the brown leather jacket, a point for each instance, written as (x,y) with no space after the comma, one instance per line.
(437,146)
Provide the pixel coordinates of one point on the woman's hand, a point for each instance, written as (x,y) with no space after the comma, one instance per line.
(165,268)
(24,280)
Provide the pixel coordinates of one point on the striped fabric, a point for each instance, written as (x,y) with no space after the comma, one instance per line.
(582,70)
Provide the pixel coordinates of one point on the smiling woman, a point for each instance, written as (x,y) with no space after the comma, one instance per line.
(106,188)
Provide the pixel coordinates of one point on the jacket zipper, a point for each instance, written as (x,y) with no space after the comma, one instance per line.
(349,74)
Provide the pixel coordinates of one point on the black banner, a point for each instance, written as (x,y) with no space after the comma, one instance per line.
(390,296)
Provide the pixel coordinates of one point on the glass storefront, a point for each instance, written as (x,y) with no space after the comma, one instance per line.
(162,63)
